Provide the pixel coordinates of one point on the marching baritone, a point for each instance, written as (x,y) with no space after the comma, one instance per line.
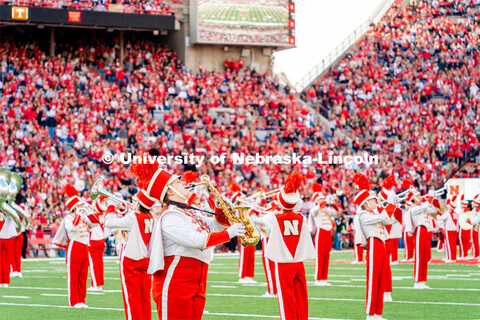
(372,224)
(289,246)
(74,234)
(183,244)
(475,226)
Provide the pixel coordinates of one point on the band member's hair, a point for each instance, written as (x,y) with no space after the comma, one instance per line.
(143,209)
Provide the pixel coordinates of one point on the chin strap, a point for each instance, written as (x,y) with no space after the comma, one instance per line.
(186,206)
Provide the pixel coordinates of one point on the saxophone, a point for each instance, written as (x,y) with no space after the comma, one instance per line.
(251,236)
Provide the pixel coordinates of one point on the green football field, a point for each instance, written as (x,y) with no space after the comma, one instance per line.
(455,293)
(251,14)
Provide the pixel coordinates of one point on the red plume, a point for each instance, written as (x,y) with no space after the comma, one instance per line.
(361,181)
(316,187)
(70,191)
(143,171)
(389,182)
(234,187)
(293,182)
(190,177)
(406,184)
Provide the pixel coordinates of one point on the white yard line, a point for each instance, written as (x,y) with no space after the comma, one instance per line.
(226,287)
(54,295)
(16,297)
(355,300)
(154,311)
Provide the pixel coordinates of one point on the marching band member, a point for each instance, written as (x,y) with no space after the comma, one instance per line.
(134,255)
(394,230)
(465,236)
(246,262)
(321,224)
(183,245)
(74,235)
(385,196)
(372,224)
(16,262)
(289,246)
(419,213)
(450,218)
(475,223)
(96,248)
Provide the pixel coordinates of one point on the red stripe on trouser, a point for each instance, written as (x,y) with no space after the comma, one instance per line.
(185,294)
(269,268)
(16,260)
(77,264)
(409,242)
(6,248)
(323,246)
(246,263)
(423,253)
(451,245)
(358,253)
(476,244)
(96,250)
(465,245)
(392,249)
(388,270)
(376,275)
(292,290)
(136,287)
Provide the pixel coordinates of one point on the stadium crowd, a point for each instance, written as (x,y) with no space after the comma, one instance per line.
(61,114)
(125,6)
(411,87)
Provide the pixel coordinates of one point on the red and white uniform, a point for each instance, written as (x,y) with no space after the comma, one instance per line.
(320,220)
(475,237)
(373,227)
(134,260)
(421,223)
(394,233)
(95,254)
(359,239)
(464,237)
(451,226)
(408,237)
(8,232)
(77,231)
(290,244)
(183,245)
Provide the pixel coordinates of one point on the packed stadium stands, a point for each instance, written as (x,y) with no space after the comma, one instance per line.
(61,114)
(125,6)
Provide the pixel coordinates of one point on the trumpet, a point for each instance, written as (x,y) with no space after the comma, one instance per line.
(263,194)
(98,190)
(440,191)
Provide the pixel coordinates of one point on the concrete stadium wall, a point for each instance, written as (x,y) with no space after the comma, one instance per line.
(213,56)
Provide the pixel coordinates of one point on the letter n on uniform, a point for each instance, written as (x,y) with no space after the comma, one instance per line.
(290,227)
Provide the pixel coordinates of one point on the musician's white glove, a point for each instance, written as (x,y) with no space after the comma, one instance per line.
(391,199)
(237,230)
(111,202)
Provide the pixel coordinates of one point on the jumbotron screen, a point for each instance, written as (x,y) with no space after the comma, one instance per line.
(253,22)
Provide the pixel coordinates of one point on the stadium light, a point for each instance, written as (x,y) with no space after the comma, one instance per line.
(41,26)
(155,32)
(110,30)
